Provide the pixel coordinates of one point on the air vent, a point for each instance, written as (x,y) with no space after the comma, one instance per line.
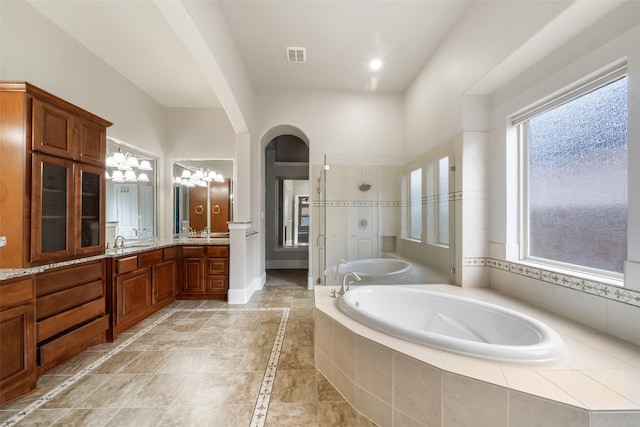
(296,54)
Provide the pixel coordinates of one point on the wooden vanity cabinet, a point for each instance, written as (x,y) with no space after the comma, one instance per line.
(54,152)
(205,272)
(141,284)
(71,311)
(164,279)
(18,374)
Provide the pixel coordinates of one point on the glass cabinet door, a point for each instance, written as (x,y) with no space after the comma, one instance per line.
(88,205)
(51,215)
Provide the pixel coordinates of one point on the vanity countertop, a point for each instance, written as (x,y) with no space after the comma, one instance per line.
(129,248)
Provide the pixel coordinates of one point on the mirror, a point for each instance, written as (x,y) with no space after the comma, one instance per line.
(202,197)
(293,212)
(131,180)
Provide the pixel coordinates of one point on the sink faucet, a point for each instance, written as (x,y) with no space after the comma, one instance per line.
(347,285)
(118,239)
(205,232)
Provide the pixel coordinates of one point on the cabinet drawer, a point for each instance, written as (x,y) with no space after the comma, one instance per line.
(68,343)
(169,253)
(54,281)
(125,265)
(70,318)
(147,259)
(192,251)
(53,304)
(16,293)
(217,266)
(218,251)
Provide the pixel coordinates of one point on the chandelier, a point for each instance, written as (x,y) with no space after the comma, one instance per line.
(198,177)
(126,167)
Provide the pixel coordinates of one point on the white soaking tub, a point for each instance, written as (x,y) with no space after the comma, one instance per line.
(452,323)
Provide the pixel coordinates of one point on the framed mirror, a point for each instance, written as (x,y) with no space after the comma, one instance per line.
(202,197)
(131,184)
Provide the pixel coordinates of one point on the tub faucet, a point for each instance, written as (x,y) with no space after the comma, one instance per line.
(347,285)
(118,239)
(342,261)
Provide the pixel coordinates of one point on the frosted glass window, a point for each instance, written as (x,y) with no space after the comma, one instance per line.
(415,213)
(443,201)
(576,204)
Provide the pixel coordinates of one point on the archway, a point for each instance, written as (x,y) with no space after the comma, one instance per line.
(287,210)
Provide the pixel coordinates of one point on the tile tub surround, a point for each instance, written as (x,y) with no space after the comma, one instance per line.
(396,382)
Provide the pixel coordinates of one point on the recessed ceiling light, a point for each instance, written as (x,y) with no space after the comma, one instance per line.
(375,64)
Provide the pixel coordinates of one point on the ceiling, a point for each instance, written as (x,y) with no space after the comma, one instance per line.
(341,37)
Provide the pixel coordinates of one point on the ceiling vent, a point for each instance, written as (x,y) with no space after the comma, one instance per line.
(296,54)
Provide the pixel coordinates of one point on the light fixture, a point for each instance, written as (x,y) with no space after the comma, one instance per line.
(145,165)
(130,176)
(106,174)
(117,176)
(111,162)
(143,177)
(219,178)
(375,64)
(118,156)
(133,162)
(186,174)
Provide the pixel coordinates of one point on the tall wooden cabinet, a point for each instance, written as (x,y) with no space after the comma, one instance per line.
(52,188)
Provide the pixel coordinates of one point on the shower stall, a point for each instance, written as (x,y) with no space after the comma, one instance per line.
(367,208)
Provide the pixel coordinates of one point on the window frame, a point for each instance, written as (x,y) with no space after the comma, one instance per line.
(520,121)
(413,202)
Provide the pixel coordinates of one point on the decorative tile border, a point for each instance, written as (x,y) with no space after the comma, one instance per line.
(264,397)
(451,197)
(262,404)
(600,289)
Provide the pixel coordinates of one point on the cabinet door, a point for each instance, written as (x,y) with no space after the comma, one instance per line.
(133,296)
(89,209)
(51,204)
(53,129)
(163,281)
(17,352)
(193,280)
(92,143)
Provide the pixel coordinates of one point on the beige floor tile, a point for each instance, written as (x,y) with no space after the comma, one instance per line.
(201,368)
(85,418)
(326,391)
(137,417)
(43,417)
(295,387)
(70,397)
(292,414)
(299,358)
(340,414)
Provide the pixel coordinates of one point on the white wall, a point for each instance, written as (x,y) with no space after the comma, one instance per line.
(335,122)
(34,49)
(486,34)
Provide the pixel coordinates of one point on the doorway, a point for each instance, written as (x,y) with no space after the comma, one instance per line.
(287,214)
